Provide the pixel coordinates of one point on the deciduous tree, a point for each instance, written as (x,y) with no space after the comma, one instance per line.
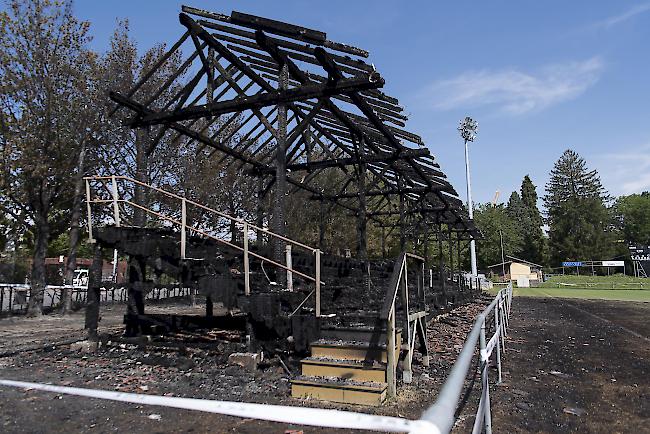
(43,116)
(633,217)
(495,222)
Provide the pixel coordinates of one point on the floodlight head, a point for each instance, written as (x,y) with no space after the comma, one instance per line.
(468,128)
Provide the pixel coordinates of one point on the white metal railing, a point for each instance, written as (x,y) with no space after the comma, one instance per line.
(414,319)
(109,185)
(441,413)
(437,419)
(15,297)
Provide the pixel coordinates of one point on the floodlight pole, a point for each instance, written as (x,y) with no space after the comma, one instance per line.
(468,128)
(470,208)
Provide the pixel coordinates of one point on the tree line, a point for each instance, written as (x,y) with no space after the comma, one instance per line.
(581,221)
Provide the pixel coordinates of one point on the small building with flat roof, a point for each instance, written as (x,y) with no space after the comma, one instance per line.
(523,273)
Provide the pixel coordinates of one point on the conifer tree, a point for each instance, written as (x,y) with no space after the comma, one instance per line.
(578,218)
(533,237)
(516,214)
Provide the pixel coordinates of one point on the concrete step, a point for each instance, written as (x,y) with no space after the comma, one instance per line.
(353,350)
(339,390)
(361,333)
(344,369)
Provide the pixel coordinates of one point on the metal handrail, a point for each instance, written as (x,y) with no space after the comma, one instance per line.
(191,202)
(116,200)
(388,312)
(442,413)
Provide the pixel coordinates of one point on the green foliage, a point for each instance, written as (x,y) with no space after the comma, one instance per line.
(589,294)
(495,221)
(515,208)
(579,221)
(46,109)
(60,246)
(534,242)
(633,217)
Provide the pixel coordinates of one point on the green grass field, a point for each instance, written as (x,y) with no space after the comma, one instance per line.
(617,287)
(596,294)
(617,282)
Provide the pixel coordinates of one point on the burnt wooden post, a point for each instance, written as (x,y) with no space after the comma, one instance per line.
(362,219)
(135,304)
(321,225)
(450,242)
(209,306)
(92,301)
(306,137)
(441,265)
(426,245)
(279,224)
(209,89)
(460,283)
(402,216)
(141,172)
(259,222)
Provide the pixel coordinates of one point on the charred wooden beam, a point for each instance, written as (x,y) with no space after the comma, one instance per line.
(155,67)
(251,23)
(433,210)
(261,100)
(302,48)
(278,27)
(351,161)
(365,108)
(397,191)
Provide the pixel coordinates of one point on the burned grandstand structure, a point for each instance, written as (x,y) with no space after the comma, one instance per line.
(304,109)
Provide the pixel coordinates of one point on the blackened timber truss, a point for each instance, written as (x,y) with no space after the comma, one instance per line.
(289,106)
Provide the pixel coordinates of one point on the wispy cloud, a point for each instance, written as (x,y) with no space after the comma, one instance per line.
(625,172)
(513,91)
(624,16)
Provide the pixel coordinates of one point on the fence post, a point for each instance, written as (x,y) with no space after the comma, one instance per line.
(289,264)
(247,277)
(504,323)
(390,353)
(407,373)
(317,258)
(183,227)
(116,206)
(504,320)
(487,416)
(497,330)
(89,212)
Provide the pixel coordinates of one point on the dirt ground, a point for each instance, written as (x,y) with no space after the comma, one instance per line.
(182,365)
(570,366)
(575,366)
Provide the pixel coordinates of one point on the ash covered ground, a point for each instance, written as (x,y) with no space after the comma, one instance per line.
(182,365)
(570,366)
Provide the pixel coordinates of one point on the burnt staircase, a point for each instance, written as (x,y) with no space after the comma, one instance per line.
(355,359)
(348,364)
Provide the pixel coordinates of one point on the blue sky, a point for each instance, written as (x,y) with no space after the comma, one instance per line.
(540,77)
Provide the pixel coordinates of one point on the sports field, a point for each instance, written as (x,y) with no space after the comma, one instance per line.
(594,294)
(618,287)
(617,281)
